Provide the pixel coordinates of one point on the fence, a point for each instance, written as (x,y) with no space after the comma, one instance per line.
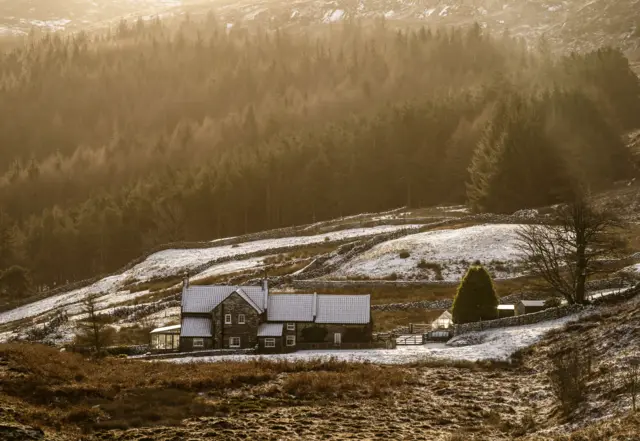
(410,340)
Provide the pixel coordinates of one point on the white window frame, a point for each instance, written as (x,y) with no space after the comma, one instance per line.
(227,319)
(269,342)
(198,342)
(291,326)
(232,345)
(291,340)
(241,319)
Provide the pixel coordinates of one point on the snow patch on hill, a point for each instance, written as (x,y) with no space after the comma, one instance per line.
(497,344)
(175,262)
(449,250)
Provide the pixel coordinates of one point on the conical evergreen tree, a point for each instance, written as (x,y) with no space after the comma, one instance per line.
(476,298)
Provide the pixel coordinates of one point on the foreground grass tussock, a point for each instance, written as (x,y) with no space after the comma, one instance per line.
(58,389)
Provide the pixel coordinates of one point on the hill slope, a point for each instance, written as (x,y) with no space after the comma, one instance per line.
(424,400)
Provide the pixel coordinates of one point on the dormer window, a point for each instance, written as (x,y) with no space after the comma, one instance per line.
(227,319)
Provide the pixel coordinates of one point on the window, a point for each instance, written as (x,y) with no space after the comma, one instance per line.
(241,320)
(291,326)
(198,342)
(269,342)
(234,342)
(227,319)
(291,340)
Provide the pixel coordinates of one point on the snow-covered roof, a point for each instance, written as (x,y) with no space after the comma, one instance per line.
(290,308)
(270,330)
(344,309)
(196,327)
(508,307)
(325,308)
(204,299)
(534,303)
(166,329)
(242,293)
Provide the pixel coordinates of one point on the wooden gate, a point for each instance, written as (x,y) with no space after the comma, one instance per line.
(407,340)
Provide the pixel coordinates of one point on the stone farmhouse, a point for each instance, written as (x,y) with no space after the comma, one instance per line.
(249,317)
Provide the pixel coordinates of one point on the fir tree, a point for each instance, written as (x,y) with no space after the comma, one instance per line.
(476,298)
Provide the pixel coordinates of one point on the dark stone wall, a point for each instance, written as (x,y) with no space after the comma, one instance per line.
(186,344)
(264,350)
(286,332)
(333,329)
(248,332)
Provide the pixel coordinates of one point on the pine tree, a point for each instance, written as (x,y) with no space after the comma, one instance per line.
(476,298)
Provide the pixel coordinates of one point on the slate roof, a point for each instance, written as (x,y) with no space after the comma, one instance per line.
(196,327)
(535,303)
(343,309)
(270,330)
(290,308)
(204,299)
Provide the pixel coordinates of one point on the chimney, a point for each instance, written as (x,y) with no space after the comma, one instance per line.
(265,289)
(314,306)
(185,282)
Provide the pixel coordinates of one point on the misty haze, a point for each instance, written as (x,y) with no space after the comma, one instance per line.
(350,219)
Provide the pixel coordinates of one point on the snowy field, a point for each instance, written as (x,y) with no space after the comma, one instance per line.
(497,344)
(175,262)
(450,250)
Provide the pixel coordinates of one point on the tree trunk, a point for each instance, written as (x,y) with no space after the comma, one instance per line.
(581,275)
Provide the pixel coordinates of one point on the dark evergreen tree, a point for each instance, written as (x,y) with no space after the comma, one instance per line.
(476,298)
(15,282)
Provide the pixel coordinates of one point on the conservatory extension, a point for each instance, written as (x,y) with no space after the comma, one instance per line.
(166,339)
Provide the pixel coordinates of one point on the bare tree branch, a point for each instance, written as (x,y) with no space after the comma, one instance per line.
(569,250)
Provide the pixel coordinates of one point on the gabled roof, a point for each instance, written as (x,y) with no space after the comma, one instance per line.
(241,292)
(204,299)
(270,330)
(535,303)
(290,308)
(445,315)
(196,327)
(343,309)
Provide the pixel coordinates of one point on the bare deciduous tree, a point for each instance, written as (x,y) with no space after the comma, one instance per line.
(94,329)
(567,252)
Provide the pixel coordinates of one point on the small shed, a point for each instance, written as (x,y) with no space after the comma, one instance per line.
(166,338)
(270,338)
(529,306)
(445,321)
(506,311)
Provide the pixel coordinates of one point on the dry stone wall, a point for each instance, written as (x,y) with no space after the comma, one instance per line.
(519,320)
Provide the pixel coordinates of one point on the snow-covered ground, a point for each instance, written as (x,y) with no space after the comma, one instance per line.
(496,344)
(452,250)
(174,262)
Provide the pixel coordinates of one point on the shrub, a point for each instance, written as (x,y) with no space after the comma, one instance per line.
(433,266)
(568,377)
(392,277)
(476,298)
(632,381)
(404,254)
(314,334)
(553,302)
(355,335)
